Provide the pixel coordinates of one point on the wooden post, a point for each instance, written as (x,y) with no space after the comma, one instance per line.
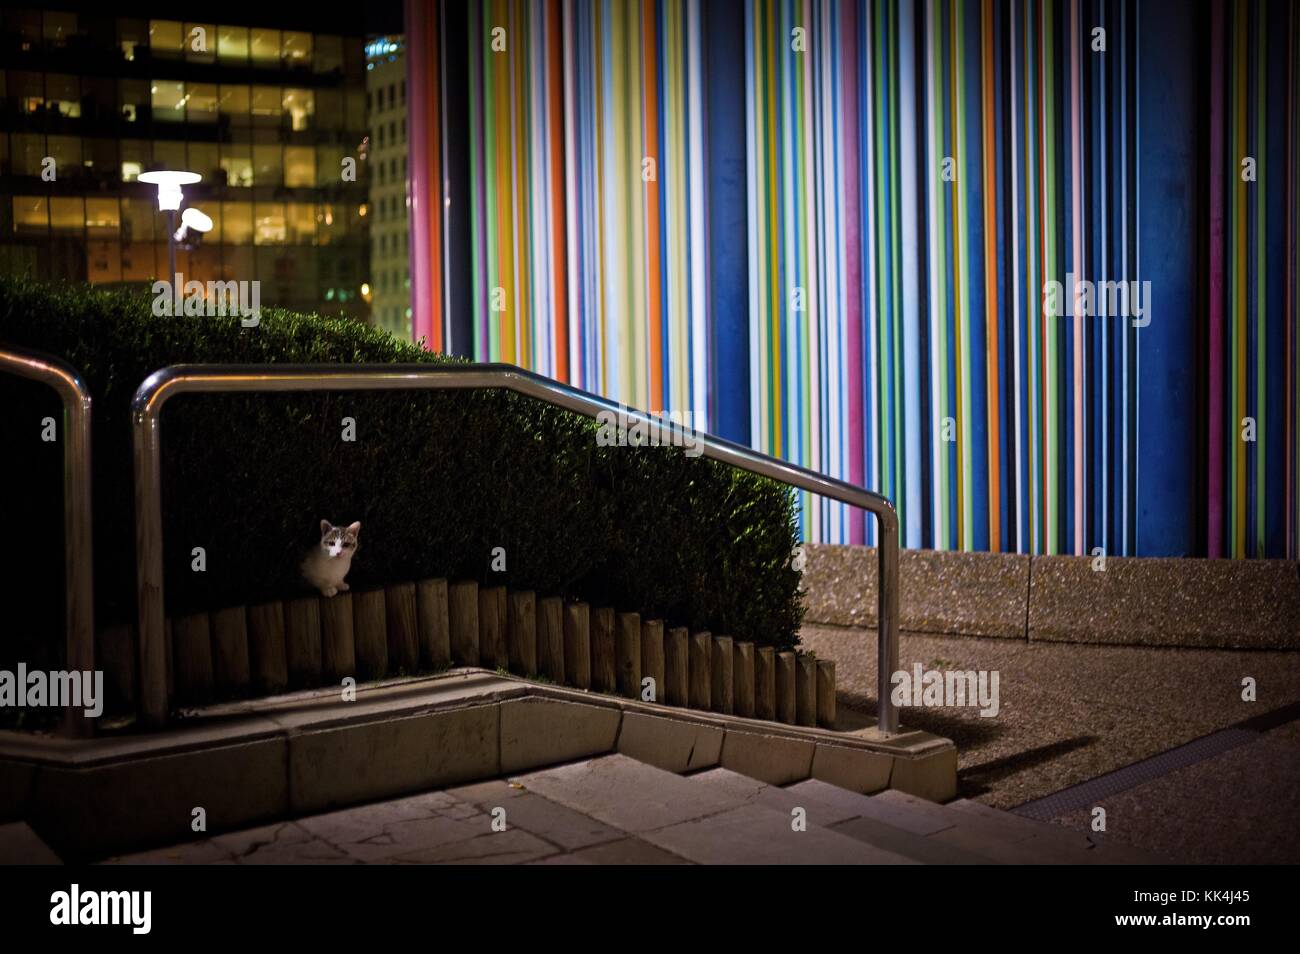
(462,607)
(743,676)
(115,654)
(604,670)
(230,665)
(627,654)
(403,630)
(765,683)
(785,689)
(338,644)
(805,689)
(652,656)
(193,659)
(677,667)
(723,697)
(550,638)
(701,669)
(577,645)
(302,641)
(435,626)
(521,632)
(266,655)
(492,627)
(370,633)
(826,693)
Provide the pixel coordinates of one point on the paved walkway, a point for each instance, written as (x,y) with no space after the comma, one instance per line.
(1071,712)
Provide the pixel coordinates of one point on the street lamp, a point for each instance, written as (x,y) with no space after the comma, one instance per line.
(169,200)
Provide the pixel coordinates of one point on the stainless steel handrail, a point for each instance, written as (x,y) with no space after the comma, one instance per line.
(78,557)
(159,387)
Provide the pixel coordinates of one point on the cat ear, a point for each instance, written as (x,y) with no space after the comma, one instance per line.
(354,528)
(325,527)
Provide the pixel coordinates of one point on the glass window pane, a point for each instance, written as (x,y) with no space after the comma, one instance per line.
(232,44)
(237,223)
(302,223)
(233,101)
(200,42)
(300,105)
(266,105)
(31,214)
(329,109)
(166,38)
(264,45)
(269,226)
(63,94)
(299,167)
(67,214)
(28,90)
(329,54)
(100,159)
(203,160)
(202,104)
(130,35)
(58,27)
(296,50)
(138,219)
(102,218)
(167,97)
(133,98)
(28,151)
(136,156)
(103,261)
(268,168)
(168,155)
(237,163)
(66,153)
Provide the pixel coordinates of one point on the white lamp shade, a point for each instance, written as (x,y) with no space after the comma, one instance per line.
(195,220)
(169,186)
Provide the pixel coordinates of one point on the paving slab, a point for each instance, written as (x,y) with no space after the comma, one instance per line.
(509,847)
(625,851)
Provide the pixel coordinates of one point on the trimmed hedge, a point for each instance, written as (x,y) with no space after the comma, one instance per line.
(436,479)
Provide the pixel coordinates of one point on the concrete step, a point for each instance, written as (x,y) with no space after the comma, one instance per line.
(838,810)
(1096,849)
(701,822)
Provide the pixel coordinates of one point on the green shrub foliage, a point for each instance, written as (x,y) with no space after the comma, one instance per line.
(437,480)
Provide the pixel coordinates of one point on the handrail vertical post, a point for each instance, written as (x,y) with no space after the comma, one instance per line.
(887,621)
(78,534)
(149,570)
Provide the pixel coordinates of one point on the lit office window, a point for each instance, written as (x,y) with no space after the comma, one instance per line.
(103,218)
(63,94)
(166,38)
(300,105)
(299,167)
(136,156)
(67,214)
(28,90)
(237,161)
(268,165)
(131,35)
(28,151)
(232,44)
(202,104)
(269,227)
(103,261)
(234,102)
(267,104)
(99,157)
(302,223)
(138,216)
(31,214)
(237,223)
(296,49)
(203,160)
(201,42)
(167,97)
(264,46)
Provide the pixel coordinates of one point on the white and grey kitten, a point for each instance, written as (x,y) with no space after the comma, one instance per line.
(326,565)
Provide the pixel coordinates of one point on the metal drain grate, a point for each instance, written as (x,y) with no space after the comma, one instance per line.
(1087,794)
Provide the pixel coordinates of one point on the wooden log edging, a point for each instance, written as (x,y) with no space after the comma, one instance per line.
(429,625)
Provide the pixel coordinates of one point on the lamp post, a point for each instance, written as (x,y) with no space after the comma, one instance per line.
(169,184)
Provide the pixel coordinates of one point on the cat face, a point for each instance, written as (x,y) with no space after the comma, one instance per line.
(337,541)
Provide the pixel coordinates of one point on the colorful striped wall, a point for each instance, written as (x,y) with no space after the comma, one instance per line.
(830,230)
